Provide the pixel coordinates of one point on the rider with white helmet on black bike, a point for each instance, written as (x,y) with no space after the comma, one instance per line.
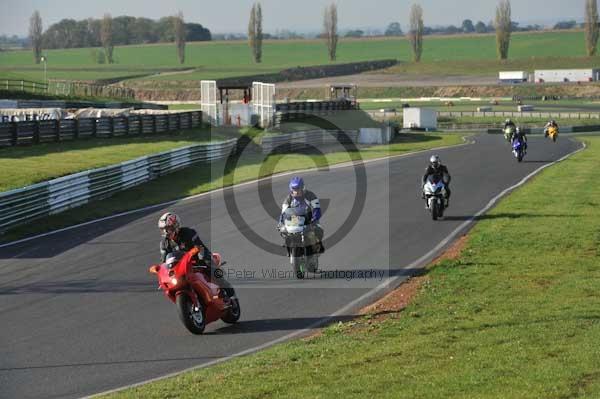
(440,171)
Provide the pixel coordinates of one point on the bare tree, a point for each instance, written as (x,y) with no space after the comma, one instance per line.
(591,27)
(179,29)
(503,28)
(35,34)
(106,37)
(255,35)
(330,23)
(415,34)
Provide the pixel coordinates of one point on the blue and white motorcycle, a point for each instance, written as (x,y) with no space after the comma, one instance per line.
(518,149)
(300,240)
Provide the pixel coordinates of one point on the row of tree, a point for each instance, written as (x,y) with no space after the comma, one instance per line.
(503,26)
(467,26)
(109,32)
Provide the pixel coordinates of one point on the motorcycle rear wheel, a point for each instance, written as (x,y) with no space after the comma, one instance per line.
(233,314)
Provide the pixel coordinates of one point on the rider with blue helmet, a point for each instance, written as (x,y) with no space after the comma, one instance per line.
(298,194)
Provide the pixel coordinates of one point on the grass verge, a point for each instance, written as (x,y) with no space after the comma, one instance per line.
(516,315)
(204,177)
(23,166)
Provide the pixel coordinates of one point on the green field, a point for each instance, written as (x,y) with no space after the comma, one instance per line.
(471,55)
(515,316)
(22,166)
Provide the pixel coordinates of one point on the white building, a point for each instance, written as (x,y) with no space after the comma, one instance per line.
(421,118)
(566,75)
(513,76)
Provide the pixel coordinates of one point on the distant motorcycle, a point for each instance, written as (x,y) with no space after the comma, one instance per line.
(434,192)
(551,132)
(300,240)
(518,149)
(509,131)
(198,300)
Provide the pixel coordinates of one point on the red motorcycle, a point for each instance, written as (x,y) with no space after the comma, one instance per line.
(198,300)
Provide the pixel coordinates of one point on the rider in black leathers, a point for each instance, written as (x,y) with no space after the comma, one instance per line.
(440,171)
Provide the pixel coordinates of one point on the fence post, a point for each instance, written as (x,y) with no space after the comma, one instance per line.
(153,123)
(179,121)
(126,125)
(95,128)
(140,124)
(192,119)
(22,86)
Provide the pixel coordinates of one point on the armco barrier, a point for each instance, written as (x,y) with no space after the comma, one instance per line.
(26,204)
(299,140)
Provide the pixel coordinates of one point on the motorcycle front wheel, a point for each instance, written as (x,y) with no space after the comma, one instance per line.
(435,209)
(193,318)
(298,266)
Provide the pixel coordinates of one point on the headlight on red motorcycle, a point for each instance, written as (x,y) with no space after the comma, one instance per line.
(174,281)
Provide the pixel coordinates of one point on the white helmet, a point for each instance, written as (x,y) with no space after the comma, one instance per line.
(169,224)
(434,161)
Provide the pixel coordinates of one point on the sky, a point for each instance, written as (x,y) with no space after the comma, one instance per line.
(221,16)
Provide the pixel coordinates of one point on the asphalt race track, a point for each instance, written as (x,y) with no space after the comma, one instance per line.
(81,315)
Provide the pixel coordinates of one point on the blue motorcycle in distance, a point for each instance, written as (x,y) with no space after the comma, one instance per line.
(518,149)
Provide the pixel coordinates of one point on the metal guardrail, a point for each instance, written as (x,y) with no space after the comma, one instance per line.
(40,131)
(73,88)
(20,103)
(23,86)
(67,88)
(26,204)
(300,140)
(524,114)
(512,114)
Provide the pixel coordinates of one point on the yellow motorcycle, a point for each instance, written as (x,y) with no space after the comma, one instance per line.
(552,132)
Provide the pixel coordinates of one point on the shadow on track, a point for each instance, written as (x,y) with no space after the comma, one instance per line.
(502,216)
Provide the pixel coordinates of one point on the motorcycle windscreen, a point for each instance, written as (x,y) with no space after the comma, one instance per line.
(433,185)
(294,219)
